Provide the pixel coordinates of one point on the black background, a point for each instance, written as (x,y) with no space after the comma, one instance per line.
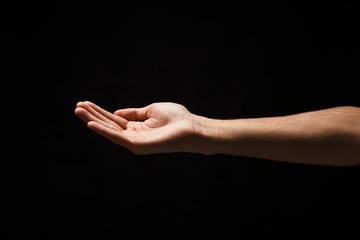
(221,60)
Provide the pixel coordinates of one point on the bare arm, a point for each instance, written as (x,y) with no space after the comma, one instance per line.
(325,137)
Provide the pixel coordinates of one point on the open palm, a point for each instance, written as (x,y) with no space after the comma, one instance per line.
(157,128)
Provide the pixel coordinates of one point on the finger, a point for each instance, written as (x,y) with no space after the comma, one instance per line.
(91,110)
(102,113)
(133,114)
(109,133)
(84,115)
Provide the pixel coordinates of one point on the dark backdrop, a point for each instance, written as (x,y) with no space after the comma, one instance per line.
(221,60)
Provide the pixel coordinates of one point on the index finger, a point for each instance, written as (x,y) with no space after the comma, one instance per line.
(117,119)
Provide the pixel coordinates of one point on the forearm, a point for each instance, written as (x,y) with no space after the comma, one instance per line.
(326,137)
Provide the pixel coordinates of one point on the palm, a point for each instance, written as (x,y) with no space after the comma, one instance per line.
(159,127)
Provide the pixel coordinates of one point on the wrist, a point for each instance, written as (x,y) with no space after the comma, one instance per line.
(206,134)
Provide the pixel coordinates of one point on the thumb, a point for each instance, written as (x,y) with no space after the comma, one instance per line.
(133,114)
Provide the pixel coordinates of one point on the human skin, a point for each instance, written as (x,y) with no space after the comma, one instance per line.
(324,137)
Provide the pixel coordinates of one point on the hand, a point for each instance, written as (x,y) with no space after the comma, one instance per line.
(157,128)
